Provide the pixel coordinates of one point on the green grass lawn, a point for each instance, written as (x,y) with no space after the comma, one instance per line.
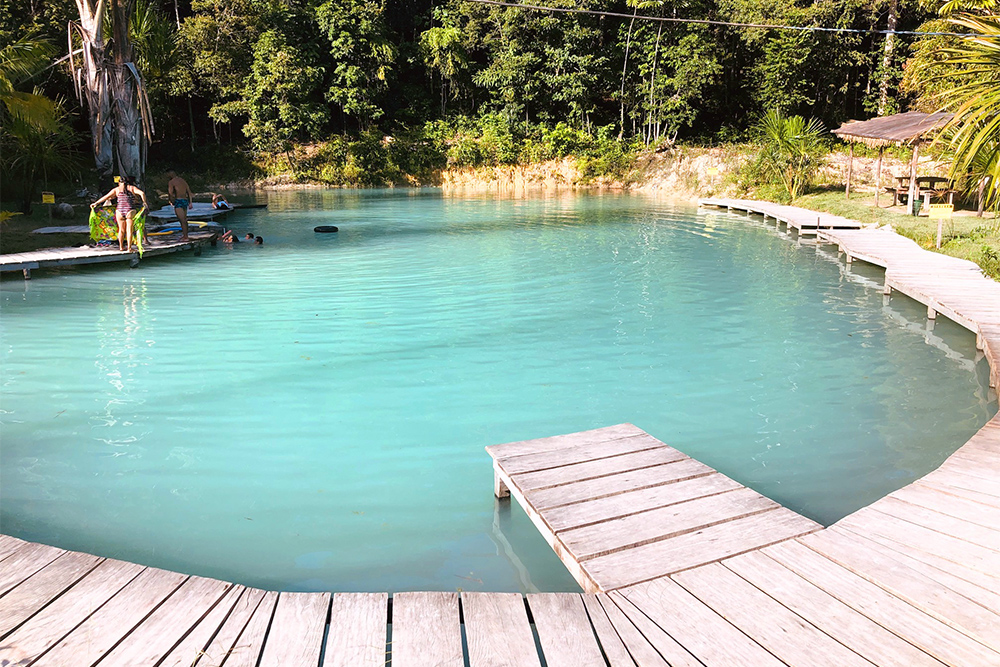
(965,235)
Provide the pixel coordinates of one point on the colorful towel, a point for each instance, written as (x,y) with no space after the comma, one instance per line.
(103,226)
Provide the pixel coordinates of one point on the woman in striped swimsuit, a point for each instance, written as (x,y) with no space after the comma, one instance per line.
(125,210)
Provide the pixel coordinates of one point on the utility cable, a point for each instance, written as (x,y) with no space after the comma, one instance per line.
(732,24)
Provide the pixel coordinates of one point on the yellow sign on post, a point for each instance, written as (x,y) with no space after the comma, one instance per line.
(713,171)
(940,212)
(48,198)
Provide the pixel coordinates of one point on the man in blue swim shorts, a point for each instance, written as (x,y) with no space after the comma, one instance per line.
(180,196)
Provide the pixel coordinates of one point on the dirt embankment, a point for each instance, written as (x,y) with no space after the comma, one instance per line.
(688,172)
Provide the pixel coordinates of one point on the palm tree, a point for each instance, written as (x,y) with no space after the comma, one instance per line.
(792,150)
(20,60)
(973,134)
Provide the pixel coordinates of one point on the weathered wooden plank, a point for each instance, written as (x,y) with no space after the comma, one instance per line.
(956,506)
(579,472)
(426,630)
(224,640)
(647,643)
(936,638)
(632,502)
(497,631)
(908,584)
(611,643)
(870,520)
(946,477)
(696,548)
(41,588)
(169,624)
(601,487)
(694,625)
(9,545)
(769,623)
(62,616)
(985,592)
(357,635)
(663,523)
(192,648)
(942,523)
(849,627)
(297,630)
(25,562)
(556,442)
(981,579)
(538,461)
(564,630)
(245,652)
(92,639)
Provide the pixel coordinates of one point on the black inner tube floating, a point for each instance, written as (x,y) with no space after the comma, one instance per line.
(326,229)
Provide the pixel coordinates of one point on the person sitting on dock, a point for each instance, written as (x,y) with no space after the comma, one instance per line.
(179,193)
(220,203)
(125,209)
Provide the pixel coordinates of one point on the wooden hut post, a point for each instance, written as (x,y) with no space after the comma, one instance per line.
(913,175)
(878,174)
(850,171)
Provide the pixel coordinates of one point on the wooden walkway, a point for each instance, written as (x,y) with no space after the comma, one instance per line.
(60,257)
(694,570)
(619,507)
(803,220)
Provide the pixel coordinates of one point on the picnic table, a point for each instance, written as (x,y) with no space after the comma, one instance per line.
(928,187)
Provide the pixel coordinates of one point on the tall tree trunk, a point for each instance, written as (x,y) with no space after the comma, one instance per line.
(120,118)
(652,84)
(890,46)
(621,94)
(90,82)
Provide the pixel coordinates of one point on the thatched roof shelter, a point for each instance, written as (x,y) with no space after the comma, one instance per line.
(895,130)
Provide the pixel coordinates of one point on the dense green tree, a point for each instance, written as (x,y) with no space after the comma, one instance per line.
(362,56)
(276,95)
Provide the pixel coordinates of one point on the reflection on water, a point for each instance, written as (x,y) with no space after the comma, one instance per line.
(310,414)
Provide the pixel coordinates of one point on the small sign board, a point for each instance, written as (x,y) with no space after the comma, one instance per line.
(48,198)
(941,211)
(713,171)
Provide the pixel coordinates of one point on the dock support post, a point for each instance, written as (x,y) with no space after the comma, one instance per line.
(980,345)
(500,489)
(133,263)
(197,250)
(27,273)
(849,259)
(887,289)
(931,313)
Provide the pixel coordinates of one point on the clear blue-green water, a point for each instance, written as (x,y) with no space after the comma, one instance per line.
(311,414)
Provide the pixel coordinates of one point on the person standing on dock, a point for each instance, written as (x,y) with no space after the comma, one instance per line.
(126,210)
(180,196)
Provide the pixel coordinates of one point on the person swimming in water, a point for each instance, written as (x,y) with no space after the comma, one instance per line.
(125,194)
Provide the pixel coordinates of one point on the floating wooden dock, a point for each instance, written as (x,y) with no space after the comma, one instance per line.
(693,569)
(619,507)
(803,220)
(73,256)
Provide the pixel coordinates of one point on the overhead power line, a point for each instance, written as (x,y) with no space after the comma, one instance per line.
(732,24)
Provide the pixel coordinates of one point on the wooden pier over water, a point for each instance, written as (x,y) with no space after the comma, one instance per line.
(74,256)
(683,566)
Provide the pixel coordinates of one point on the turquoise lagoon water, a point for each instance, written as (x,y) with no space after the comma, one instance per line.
(311,414)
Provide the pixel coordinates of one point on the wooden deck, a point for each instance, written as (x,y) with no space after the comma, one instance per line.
(619,507)
(60,257)
(803,220)
(695,569)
